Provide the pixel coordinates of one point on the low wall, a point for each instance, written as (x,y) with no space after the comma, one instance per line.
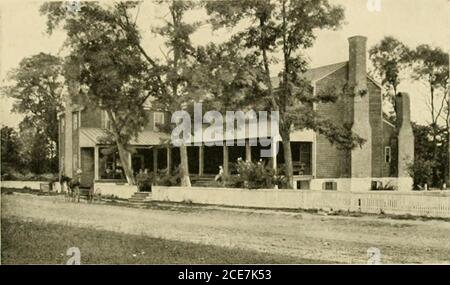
(35,185)
(389,202)
(120,190)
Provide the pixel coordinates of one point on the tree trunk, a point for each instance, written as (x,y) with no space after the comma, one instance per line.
(124,154)
(184,166)
(286,128)
(126,163)
(287,157)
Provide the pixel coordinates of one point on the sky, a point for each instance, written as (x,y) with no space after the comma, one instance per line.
(414,22)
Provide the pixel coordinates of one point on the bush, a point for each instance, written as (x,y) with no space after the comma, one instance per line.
(253,175)
(17,176)
(422,172)
(379,186)
(165,178)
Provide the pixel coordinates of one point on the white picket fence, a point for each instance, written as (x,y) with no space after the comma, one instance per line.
(389,202)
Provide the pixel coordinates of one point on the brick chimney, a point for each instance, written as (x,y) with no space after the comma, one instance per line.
(405,141)
(361,166)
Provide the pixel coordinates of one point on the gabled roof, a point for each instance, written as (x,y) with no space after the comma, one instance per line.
(318,73)
(315,74)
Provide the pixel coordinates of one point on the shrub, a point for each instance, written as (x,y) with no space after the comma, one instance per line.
(145,181)
(18,176)
(257,175)
(166,178)
(422,172)
(379,186)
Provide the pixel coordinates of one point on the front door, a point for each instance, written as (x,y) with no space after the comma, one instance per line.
(87,167)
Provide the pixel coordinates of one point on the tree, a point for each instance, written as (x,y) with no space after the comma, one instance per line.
(37,85)
(431,66)
(178,71)
(390,57)
(428,169)
(106,68)
(269,28)
(10,150)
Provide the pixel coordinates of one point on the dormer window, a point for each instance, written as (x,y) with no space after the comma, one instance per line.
(158,119)
(106,122)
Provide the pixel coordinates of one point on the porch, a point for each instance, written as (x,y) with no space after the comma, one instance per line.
(102,163)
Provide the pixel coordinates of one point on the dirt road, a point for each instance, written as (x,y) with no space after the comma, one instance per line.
(312,236)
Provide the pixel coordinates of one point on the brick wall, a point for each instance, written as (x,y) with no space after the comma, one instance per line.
(91,117)
(332,162)
(375,109)
(389,134)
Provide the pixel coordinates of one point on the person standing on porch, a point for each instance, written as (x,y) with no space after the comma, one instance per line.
(219,177)
(140,179)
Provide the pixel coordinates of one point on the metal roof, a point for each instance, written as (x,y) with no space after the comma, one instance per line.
(90,137)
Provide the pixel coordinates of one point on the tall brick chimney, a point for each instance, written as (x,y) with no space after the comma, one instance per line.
(405,138)
(361,166)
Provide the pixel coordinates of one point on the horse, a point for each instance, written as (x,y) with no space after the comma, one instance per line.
(73,188)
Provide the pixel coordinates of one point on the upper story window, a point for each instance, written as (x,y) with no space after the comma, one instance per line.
(75,123)
(387,154)
(106,122)
(158,119)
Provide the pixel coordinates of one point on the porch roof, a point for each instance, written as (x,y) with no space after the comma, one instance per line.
(89,137)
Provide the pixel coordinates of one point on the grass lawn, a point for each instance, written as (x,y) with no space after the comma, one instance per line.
(41,243)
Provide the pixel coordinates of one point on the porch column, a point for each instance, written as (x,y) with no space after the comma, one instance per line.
(169,159)
(248,150)
(201,158)
(130,164)
(225,160)
(155,159)
(96,164)
(274,150)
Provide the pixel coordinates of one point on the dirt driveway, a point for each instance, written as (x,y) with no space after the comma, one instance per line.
(312,236)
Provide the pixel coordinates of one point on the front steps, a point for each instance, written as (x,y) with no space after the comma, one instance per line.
(140,197)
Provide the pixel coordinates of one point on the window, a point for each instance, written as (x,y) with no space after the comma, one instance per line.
(109,164)
(329,185)
(306,157)
(302,157)
(387,154)
(158,119)
(75,120)
(106,122)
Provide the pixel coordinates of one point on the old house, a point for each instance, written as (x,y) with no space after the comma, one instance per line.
(382,159)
